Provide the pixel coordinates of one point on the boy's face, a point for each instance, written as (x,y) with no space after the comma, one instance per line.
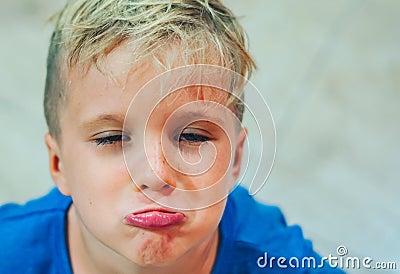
(90,164)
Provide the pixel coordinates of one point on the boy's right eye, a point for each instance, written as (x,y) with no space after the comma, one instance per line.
(110,138)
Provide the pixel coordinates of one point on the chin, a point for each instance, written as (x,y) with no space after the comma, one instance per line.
(155,251)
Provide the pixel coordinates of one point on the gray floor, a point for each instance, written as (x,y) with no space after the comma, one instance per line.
(330,72)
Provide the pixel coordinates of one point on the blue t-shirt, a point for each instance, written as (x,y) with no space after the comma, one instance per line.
(33,238)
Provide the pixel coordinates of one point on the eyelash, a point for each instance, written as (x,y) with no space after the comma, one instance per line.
(193,138)
(190,138)
(111,140)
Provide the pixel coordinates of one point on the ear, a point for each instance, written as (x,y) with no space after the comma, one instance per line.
(237,163)
(55,164)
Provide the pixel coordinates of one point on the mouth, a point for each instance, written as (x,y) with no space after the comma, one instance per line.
(154,218)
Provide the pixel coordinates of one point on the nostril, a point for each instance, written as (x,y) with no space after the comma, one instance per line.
(143,187)
(166,186)
(155,186)
(166,189)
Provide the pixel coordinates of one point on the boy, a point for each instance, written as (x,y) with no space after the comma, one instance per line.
(143,155)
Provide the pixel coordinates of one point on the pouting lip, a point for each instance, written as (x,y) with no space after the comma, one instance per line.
(154,218)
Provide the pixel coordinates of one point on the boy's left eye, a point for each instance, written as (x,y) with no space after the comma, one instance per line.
(192,137)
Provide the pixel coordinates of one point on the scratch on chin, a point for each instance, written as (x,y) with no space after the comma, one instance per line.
(155,251)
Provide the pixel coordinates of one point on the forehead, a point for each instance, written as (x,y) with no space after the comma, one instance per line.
(112,89)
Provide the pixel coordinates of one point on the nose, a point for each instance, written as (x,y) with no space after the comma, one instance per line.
(157,175)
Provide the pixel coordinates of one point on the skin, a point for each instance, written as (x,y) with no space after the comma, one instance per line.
(91,169)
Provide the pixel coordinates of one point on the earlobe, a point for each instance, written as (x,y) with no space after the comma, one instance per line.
(55,164)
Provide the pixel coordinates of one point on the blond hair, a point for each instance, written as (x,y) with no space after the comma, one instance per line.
(88,30)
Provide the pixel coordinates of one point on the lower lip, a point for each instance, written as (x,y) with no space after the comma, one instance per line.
(154,219)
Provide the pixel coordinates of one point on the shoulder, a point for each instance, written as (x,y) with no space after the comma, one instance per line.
(53,201)
(251,232)
(33,233)
(25,218)
(259,226)
(250,221)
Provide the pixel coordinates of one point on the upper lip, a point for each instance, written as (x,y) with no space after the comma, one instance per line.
(159,209)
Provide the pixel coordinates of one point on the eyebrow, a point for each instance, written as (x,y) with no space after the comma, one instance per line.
(102,119)
(203,115)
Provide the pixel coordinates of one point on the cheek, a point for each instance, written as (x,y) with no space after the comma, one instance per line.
(94,173)
(223,162)
(97,183)
(206,221)
(219,172)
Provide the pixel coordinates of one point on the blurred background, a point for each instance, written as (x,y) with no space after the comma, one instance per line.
(330,72)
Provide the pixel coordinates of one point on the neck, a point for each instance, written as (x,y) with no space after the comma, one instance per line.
(88,255)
